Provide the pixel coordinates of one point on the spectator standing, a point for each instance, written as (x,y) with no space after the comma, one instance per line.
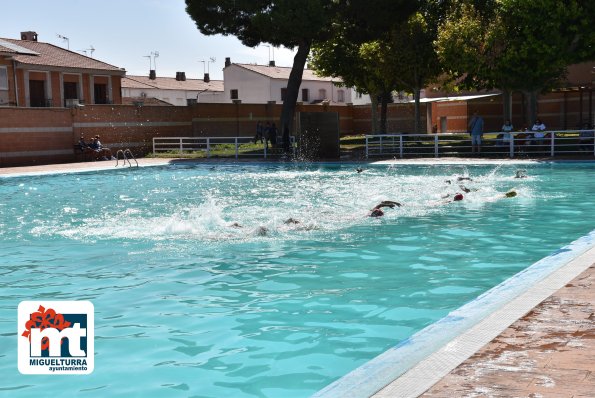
(476,131)
(273,134)
(259,132)
(267,134)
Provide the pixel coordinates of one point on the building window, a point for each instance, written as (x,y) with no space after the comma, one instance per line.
(100,93)
(3,78)
(191,101)
(37,94)
(283,94)
(233,94)
(322,94)
(305,95)
(340,96)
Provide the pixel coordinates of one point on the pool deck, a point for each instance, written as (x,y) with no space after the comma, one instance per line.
(550,352)
(547,352)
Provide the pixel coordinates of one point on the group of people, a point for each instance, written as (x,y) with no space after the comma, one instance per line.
(95,148)
(377,211)
(535,136)
(266,133)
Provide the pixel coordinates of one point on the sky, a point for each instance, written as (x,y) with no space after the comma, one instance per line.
(124,32)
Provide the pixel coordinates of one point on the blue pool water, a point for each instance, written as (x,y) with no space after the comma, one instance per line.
(189,305)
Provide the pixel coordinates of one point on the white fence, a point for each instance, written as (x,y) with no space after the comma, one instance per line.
(222,146)
(555,143)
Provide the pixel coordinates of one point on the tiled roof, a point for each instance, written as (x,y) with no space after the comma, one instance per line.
(149,101)
(281,72)
(50,55)
(170,83)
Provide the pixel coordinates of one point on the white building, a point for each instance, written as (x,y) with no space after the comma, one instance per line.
(257,84)
(177,91)
(251,84)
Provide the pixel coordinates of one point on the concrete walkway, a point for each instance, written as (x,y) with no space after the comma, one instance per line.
(550,352)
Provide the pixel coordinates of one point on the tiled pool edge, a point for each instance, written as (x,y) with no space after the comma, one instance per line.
(416,364)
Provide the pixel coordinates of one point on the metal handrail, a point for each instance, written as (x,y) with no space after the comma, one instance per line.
(555,142)
(191,144)
(125,157)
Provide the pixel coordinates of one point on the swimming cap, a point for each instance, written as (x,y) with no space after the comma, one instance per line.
(458,197)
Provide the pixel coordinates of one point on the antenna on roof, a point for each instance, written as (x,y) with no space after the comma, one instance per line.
(205,64)
(66,39)
(155,54)
(91,49)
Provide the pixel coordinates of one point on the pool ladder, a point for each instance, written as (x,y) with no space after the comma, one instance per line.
(126,155)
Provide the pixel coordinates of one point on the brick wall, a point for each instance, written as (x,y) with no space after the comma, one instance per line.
(47,135)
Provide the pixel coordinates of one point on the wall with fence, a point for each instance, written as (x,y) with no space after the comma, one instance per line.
(48,135)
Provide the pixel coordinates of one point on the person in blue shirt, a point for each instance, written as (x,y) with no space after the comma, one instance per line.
(476,131)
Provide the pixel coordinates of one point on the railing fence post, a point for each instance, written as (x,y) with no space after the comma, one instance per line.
(181,145)
(511,144)
(401,145)
(435,145)
(237,147)
(552,143)
(381,145)
(367,147)
(208,147)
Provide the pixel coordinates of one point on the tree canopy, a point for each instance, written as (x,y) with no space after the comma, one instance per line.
(516,45)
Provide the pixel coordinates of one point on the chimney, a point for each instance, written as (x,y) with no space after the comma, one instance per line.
(31,36)
(227,61)
(207,78)
(152,74)
(272,63)
(181,76)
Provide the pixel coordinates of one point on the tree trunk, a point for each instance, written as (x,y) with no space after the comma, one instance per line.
(293,89)
(383,110)
(506,105)
(416,94)
(374,100)
(531,108)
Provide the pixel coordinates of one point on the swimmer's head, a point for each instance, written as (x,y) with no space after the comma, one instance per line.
(458,197)
(510,194)
(376,213)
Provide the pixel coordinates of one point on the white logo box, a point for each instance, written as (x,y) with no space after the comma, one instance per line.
(80,361)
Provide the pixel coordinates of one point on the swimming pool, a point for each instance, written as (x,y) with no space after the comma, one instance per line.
(187,304)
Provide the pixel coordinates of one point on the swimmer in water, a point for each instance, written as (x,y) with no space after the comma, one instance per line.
(521,174)
(510,194)
(291,220)
(457,197)
(377,210)
(464,179)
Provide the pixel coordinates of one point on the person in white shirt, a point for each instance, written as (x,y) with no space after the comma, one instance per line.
(538,132)
(505,137)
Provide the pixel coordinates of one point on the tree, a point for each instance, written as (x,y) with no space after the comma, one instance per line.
(414,58)
(398,56)
(288,23)
(365,66)
(516,45)
(292,24)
